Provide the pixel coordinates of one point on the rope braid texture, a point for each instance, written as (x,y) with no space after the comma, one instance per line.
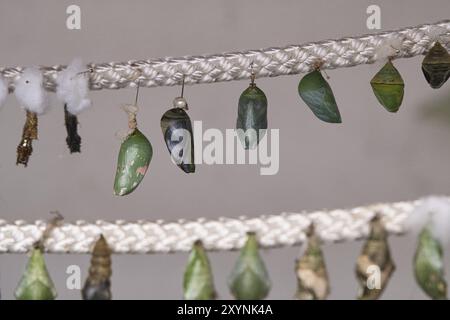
(225,233)
(271,62)
(285,229)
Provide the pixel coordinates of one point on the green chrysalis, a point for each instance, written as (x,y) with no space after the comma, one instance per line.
(249,279)
(436,66)
(317,94)
(429,265)
(134,158)
(252,116)
(388,87)
(36,283)
(198,281)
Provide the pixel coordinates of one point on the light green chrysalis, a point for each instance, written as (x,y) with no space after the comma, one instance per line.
(429,265)
(36,283)
(249,280)
(198,282)
(388,87)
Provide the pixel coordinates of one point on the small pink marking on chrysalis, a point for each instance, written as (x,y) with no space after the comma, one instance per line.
(141,170)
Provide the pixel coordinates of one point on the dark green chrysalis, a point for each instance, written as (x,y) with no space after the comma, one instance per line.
(36,283)
(429,266)
(388,87)
(198,282)
(98,283)
(177,130)
(252,116)
(317,94)
(249,279)
(436,66)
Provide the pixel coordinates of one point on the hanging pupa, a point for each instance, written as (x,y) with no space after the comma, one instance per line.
(318,96)
(249,279)
(388,87)
(31,95)
(134,156)
(98,283)
(429,265)
(177,131)
(375,256)
(312,277)
(72,88)
(251,123)
(436,66)
(432,219)
(36,283)
(198,282)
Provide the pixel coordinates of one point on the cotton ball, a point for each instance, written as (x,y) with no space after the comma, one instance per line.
(3,90)
(388,48)
(72,87)
(434,212)
(30,92)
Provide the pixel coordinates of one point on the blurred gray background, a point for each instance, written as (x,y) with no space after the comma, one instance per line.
(373,156)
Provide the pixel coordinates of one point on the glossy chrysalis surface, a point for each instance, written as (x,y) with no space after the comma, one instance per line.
(312,276)
(98,283)
(198,282)
(252,116)
(318,96)
(176,127)
(429,265)
(388,87)
(436,66)
(375,254)
(36,283)
(249,279)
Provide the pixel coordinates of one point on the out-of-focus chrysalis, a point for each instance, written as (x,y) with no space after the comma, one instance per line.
(198,282)
(312,276)
(436,66)
(98,283)
(249,279)
(251,123)
(388,87)
(374,266)
(429,265)
(36,283)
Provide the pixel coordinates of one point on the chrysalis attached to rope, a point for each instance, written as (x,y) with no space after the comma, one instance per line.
(31,95)
(388,87)
(98,283)
(177,131)
(436,66)
(134,156)
(198,282)
(375,259)
(312,276)
(249,279)
(72,88)
(36,283)
(318,96)
(251,123)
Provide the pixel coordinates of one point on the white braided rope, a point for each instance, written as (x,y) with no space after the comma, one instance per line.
(285,229)
(271,62)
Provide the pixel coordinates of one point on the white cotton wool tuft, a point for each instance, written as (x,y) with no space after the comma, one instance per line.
(434,211)
(30,92)
(388,48)
(73,87)
(3,90)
